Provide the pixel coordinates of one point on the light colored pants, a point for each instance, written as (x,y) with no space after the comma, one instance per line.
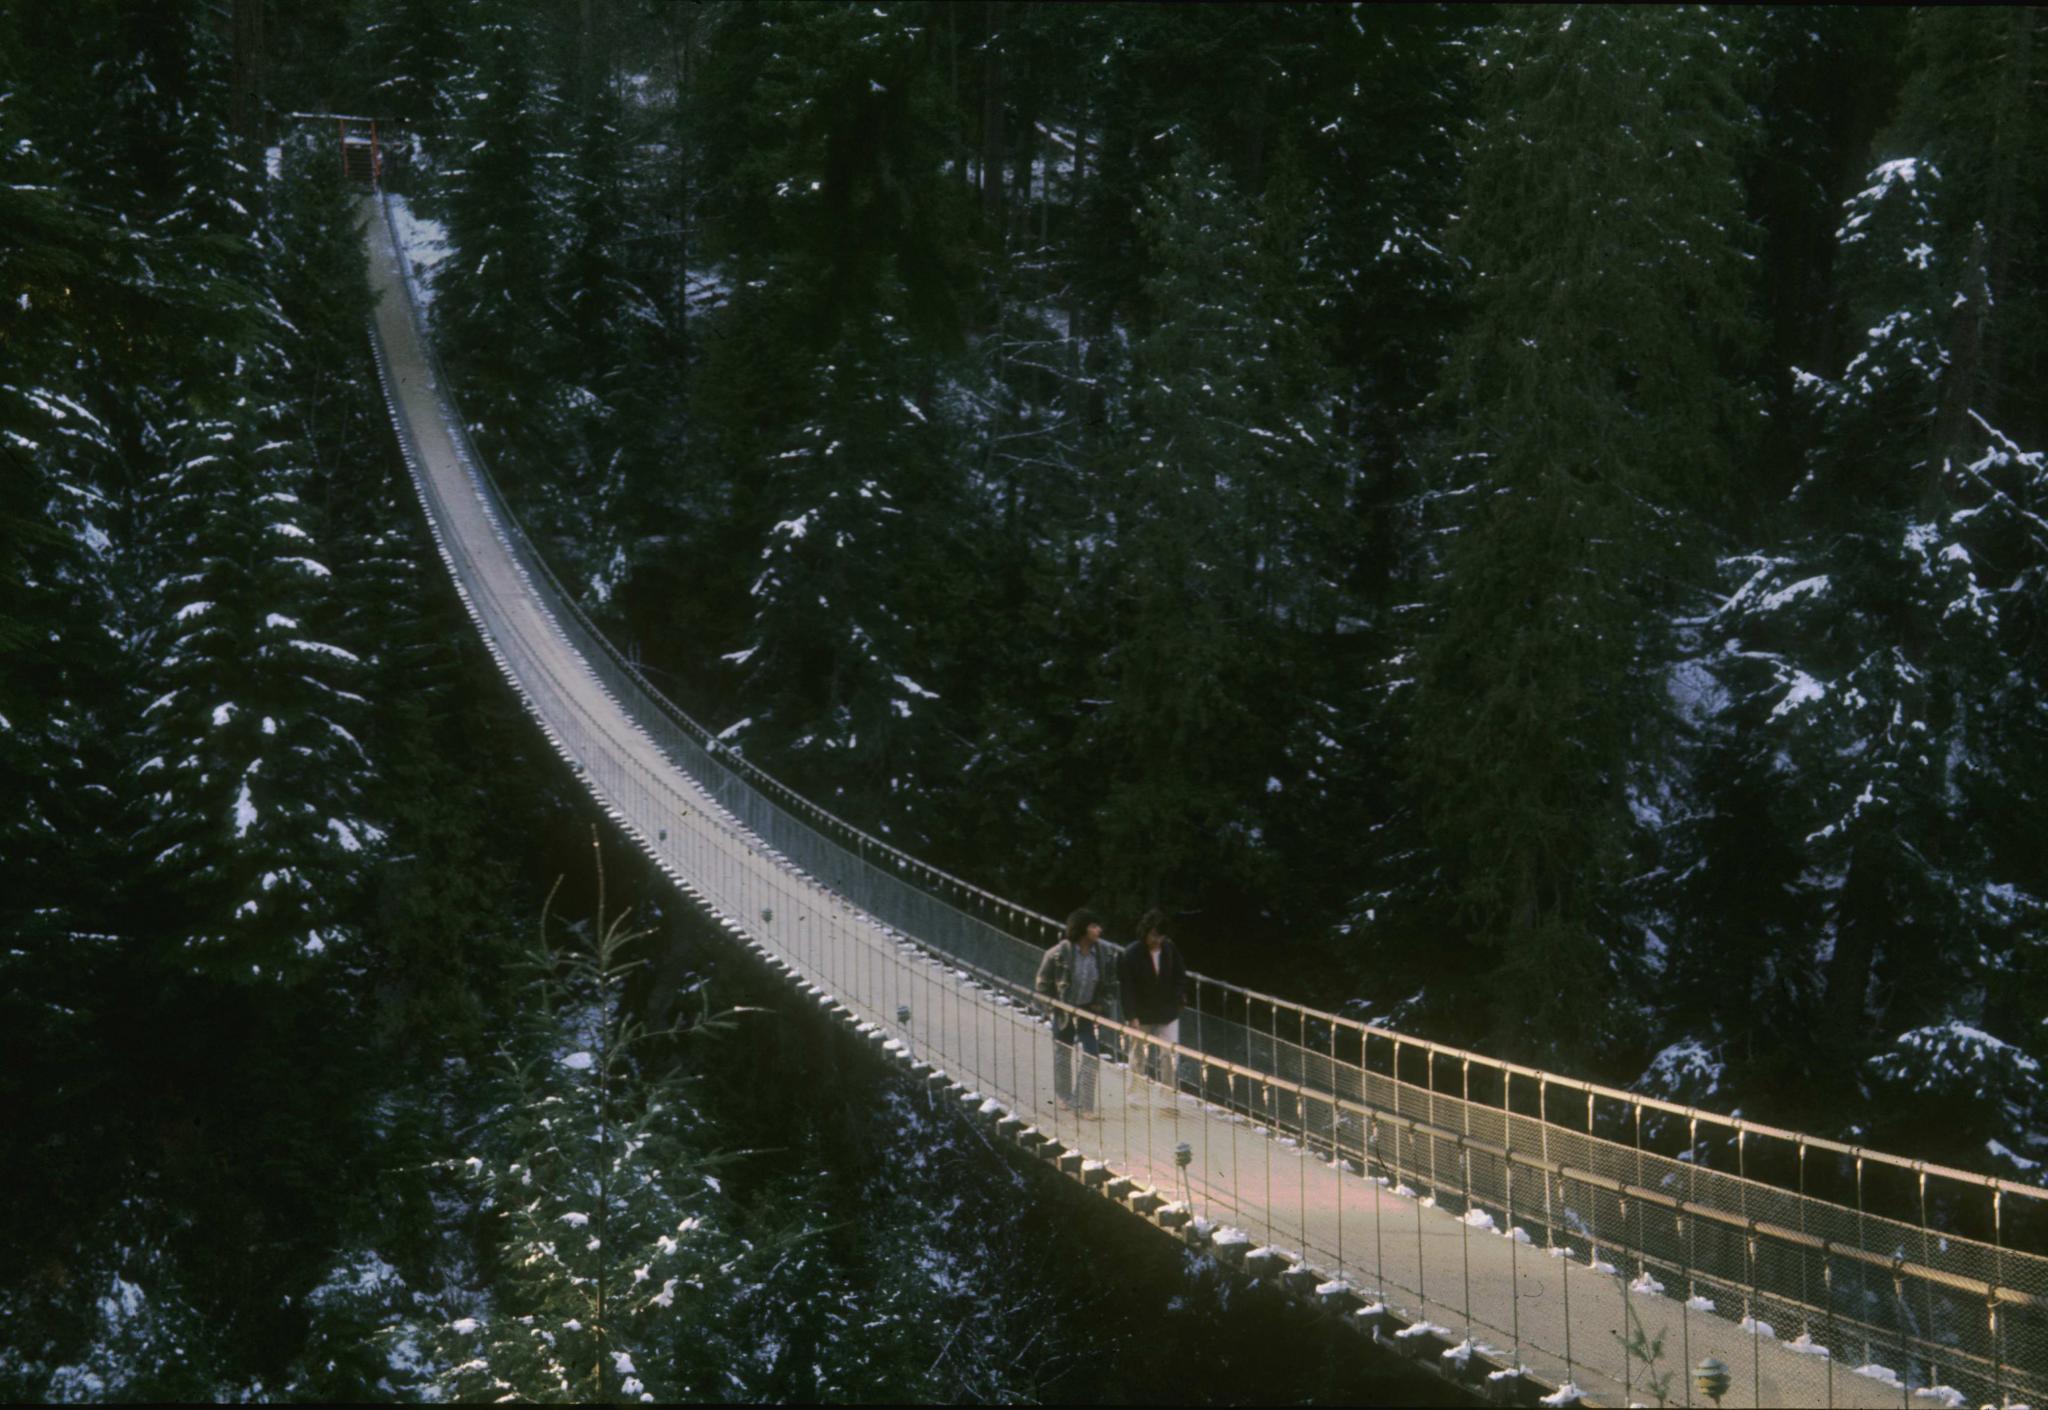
(1154,1060)
(1076,1089)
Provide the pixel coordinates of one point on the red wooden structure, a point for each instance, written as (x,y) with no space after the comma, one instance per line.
(361,158)
(362,154)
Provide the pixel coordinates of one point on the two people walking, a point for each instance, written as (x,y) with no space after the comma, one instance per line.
(1077,973)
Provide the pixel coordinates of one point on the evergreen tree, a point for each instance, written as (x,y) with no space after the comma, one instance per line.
(1600,407)
(492,305)
(137,1335)
(823,408)
(1873,705)
(251,774)
(414,56)
(844,680)
(606,1246)
(253,810)
(1202,574)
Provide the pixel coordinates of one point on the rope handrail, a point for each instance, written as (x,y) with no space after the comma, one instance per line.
(750,772)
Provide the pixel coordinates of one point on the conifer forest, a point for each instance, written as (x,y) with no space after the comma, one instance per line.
(1524,525)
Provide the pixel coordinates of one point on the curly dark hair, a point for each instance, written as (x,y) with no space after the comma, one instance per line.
(1154,919)
(1079,921)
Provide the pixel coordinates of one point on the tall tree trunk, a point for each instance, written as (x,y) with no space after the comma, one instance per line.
(2010,159)
(992,203)
(247,99)
(1856,944)
(1073,293)
(586,61)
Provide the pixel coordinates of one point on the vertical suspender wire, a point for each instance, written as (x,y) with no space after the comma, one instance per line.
(1756,1331)
(1507,1131)
(1301,1163)
(1273,1068)
(1210,1168)
(1688,1251)
(977,1014)
(1926,1285)
(1543,1130)
(1236,1146)
(1465,1179)
(1827,1287)
(1570,1370)
(1415,1199)
(1640,1239)
(1272,1139)
(1465,1240)
(1429,1078)
(1998,1280)
(1337,1136)
(1905,1377)
(1130,1086)
(1684,1231)
(1862,1265)
(1628,1315)
(1031,1038)
(1805,1293)
(1393,1176)
(1465,1108)
(1756,1335)
(1379,1194)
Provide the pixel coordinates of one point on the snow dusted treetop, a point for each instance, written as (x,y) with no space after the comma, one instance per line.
(1867,667)
(252,771)
(605,1228)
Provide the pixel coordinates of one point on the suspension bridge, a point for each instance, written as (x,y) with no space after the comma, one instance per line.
(1528,1235)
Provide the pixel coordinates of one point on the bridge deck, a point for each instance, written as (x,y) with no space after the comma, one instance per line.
(1557,1316)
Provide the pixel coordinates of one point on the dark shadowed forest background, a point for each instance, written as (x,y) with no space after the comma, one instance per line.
(1525,525)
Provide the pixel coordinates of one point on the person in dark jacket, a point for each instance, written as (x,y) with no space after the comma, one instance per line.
(1076,971)
(1154,982)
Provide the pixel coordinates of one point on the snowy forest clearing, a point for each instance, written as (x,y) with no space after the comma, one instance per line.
(1416,1256)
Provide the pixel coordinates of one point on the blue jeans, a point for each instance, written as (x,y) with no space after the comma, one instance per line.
(1067,1035)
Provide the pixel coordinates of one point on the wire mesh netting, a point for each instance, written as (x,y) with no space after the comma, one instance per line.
(1893,1271)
